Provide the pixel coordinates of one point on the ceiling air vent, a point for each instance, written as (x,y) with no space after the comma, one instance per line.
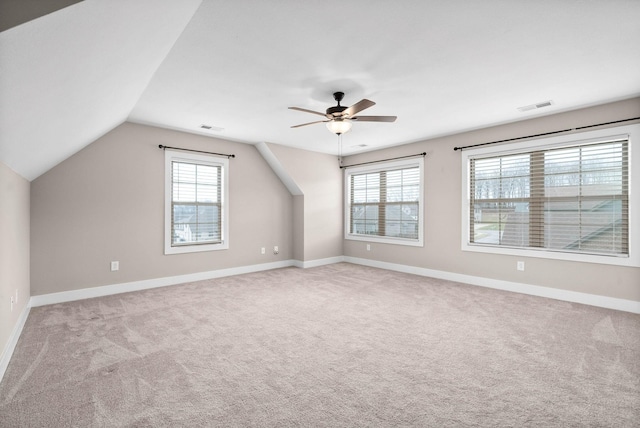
(536,106)
(211,128)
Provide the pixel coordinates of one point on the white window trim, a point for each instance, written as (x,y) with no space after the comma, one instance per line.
(632,132)
(172,155)
(419,162)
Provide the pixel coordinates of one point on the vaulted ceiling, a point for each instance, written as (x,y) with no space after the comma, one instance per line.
(72,75)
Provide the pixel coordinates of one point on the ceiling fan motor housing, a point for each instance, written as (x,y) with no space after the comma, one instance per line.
(337,109)
(339,118)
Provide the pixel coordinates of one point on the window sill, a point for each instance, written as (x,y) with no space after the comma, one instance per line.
(195,248)
(385,240)
(554,255)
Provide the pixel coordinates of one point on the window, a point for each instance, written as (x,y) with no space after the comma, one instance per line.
(565,198)
(195,203)
(384,202)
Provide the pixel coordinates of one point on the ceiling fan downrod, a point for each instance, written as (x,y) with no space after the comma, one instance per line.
(336,109)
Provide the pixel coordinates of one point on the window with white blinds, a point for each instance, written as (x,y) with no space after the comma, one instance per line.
(384,203)
(195,209)
(571,199)
(562,198)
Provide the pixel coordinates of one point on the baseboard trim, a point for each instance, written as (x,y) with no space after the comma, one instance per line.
(7,353)
(107,290)
(535,290)
(87,293)
(516,287)
(318,262)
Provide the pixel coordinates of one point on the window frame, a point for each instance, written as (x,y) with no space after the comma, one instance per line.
(629,132)
(199,159)
(378,167)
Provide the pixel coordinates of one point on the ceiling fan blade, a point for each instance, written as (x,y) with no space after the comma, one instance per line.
(358,107)
(375,118)
(307,111)
(309,123)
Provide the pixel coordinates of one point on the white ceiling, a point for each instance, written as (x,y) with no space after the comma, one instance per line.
(441,67)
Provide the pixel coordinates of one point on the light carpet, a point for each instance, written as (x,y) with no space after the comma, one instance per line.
(334,346)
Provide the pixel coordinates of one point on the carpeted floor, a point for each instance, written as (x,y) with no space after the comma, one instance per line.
(334,346)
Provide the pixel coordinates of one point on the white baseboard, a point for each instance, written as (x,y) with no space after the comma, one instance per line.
(7,353)
(106,290)
(87,293)
(319,262)
(534,290)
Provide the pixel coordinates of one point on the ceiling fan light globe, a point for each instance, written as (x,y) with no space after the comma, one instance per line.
(339,126)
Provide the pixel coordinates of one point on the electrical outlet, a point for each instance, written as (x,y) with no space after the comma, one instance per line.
(115,266)
(520,266)
(263,250)
(368,247)
(275,250)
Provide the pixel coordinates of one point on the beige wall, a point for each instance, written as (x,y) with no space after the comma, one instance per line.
(298,227)
(442,248)
(14,250)
(320,179)
(106,203)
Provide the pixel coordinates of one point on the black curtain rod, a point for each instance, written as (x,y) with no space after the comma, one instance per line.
(197,151)
(423,154)
(546,133)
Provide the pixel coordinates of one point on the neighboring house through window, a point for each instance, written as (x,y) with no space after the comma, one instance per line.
(196,209)
(566,197)
(384,202)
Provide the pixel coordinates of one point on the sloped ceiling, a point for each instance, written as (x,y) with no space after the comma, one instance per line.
(16,12)
(441,67)
(73,75)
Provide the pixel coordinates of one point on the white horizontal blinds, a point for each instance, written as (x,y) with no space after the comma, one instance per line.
(365,201)
(195,204)
(500,194)
(586,200)
(572,199)
(385,203)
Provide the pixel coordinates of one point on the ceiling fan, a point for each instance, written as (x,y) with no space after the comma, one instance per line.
(339,117)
